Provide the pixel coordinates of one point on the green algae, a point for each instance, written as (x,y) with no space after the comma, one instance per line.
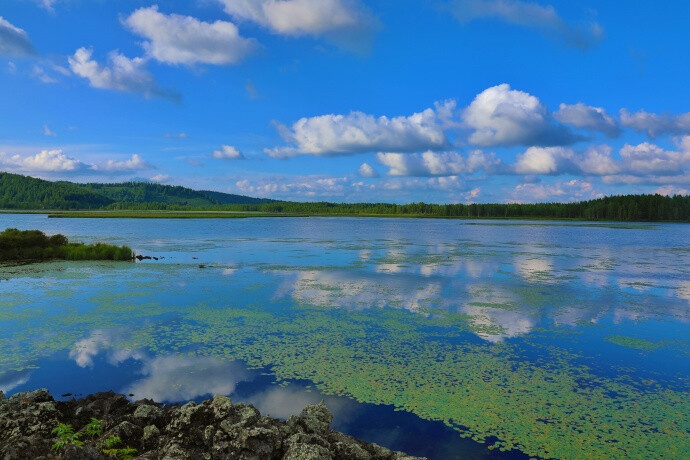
(549,408)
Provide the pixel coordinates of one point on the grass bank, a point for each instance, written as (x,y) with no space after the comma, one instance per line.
(34,245)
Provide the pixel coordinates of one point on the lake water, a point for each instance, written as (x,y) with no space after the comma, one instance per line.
(446,338)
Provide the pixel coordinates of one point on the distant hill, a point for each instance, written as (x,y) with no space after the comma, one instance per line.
(23,192)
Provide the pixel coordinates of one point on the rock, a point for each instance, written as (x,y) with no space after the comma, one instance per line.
(316,419)
(214,429)
(150,436)
(148,413)
(81,453)
(128,432)
(307,452)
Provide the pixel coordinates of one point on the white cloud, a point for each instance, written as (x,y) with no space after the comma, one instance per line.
(365,170)
(649,158)
(597,161)
(56,161)
(14,41)
(44,161)
(160,178)
(48,5)
(48,132)
(587,117)
(122,74)
(542,160)
(345,22)
(228,152)
(176,39)
(543,19)
(437,164)
(670,190)
(573,190)
(655,124)
(295,187)
(502,116)
(134,163)
(357,132)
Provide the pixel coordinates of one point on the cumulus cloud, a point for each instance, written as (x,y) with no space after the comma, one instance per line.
(14,41)
(298,187)
(365,170)
(648,158)
(56,161)
(44,161)
(574,190)
(122,74)
(134,163)
(597,160)
(228,152)
(645,159)
(160,178)
(654,124)
(587,117)
(176,39)
(357,132)
(502,116)
(437,164)
(345,22)
(543,19)
(542,160)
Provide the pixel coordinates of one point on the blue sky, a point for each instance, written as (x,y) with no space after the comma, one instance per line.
(351,100)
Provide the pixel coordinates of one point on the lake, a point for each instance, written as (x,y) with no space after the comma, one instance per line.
(446,338)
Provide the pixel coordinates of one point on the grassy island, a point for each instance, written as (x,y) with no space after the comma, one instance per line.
(34,245)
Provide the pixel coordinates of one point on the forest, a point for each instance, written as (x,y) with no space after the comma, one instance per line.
(23,192)
(26,193)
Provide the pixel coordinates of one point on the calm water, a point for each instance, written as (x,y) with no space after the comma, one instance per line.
(452,339)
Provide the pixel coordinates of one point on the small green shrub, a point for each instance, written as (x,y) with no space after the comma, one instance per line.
(66,435)
(95,428)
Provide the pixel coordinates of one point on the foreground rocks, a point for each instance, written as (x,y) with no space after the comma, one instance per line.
(214,429)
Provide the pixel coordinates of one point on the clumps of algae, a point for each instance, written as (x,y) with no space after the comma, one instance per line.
(553,407)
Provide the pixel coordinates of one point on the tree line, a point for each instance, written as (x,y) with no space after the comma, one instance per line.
(21,192)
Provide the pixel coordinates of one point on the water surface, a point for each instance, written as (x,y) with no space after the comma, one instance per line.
(447,338)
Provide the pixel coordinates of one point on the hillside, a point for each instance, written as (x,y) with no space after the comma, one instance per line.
(22,192)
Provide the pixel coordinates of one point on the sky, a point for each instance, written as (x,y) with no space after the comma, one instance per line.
(446,101)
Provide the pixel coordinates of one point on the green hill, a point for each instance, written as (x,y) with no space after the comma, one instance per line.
(22,192)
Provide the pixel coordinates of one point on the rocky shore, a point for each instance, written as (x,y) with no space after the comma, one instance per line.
(107,425)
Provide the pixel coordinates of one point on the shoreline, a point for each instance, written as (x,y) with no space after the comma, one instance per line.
(198,214)
(107,425)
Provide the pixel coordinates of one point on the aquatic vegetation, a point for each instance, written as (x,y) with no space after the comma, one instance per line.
(633,342)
